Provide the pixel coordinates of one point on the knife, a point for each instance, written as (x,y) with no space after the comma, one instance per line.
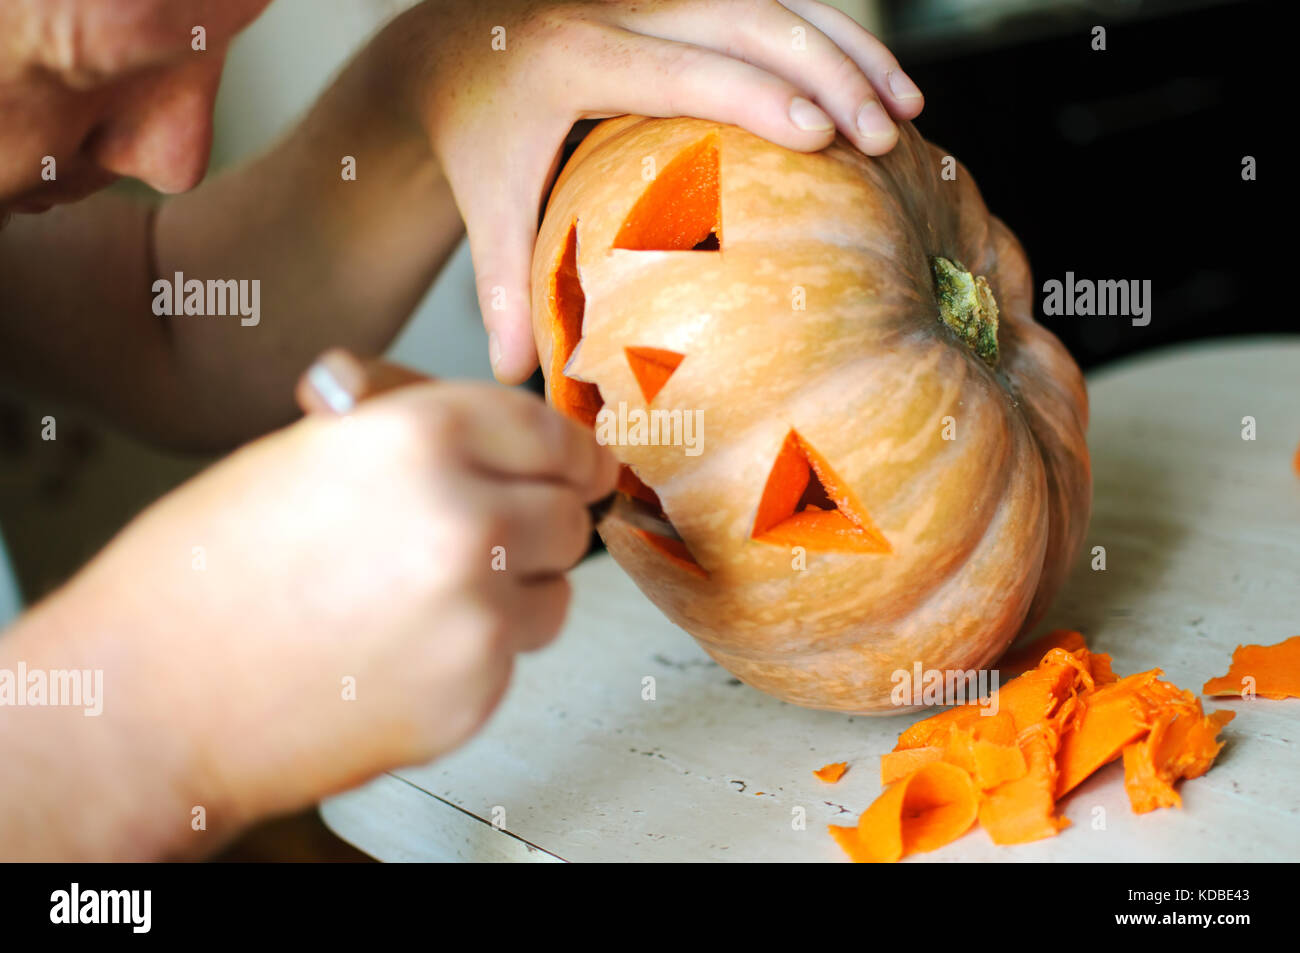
(618,505)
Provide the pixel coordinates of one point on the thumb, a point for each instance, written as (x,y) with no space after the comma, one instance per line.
(338,380)
(501,236)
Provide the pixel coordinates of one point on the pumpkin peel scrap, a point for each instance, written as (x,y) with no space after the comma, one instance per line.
(1269,671)
(1182,743)
(933,806)
(896,765)
(1018,661)
(1110,718)
(1053,726)
(1024,809)
(1029,699)
(830,773)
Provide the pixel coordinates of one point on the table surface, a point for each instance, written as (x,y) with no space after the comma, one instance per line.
(1202,536)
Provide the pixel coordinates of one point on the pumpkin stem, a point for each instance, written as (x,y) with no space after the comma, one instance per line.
(966,305)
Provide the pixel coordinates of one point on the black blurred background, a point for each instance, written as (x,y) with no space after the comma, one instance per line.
(1124,163)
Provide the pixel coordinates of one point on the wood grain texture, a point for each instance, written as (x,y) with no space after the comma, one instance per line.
(1202,537)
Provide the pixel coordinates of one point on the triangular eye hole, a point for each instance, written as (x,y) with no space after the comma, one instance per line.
(681,210)
(652,367)
(805,504)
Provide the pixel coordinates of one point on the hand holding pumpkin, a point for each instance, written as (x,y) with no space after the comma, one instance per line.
(499,85)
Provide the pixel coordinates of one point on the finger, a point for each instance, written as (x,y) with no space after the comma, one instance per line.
(771,37)
(513,434)
(794,48)
(540,608)
(543,528)
(694,81)
(501,221)
(338,380)
(896,89)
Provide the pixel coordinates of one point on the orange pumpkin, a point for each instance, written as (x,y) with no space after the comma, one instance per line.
(892,463)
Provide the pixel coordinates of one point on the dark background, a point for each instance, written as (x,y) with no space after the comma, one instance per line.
(1126,164)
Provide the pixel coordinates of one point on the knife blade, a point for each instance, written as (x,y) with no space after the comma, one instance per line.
(620,506)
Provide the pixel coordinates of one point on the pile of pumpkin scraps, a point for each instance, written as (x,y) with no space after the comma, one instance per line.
(1055,724)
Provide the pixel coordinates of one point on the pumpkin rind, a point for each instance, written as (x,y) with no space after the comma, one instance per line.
(981,529)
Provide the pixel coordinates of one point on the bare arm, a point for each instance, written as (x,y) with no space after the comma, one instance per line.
(339,263)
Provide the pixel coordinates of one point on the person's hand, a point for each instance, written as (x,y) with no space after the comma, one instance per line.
(337,599)
(498,84)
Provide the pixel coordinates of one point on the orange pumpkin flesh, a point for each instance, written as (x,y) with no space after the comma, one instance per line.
(682,208)
(804,502)
(652,367)
(831,533)
(579,400)
(1051,728)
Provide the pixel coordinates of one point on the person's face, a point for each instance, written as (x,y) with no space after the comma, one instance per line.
(108,88)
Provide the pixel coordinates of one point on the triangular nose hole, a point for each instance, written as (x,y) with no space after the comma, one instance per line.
(652,367)
(805,504)
(681,210)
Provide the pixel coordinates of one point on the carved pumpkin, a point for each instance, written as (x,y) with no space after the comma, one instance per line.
(893,467)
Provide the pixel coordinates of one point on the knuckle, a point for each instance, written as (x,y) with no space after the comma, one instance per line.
(441,422)
(559,22)
(480,639)
(847,75)
(493,636)
(473,531)
(575,525)
(384,435)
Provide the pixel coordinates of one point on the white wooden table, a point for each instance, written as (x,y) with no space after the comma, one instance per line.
(1202,537)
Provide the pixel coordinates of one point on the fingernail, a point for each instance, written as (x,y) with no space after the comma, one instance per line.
(494,349)
(337,379)
(873,123)
(807,116)
(901,85)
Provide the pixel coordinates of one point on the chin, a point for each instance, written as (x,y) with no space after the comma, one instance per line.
(28,207)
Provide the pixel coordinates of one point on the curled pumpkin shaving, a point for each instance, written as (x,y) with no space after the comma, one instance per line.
(1024,809)
(1018,661)
(1108,719)
(1028,699)
(988,751)
(1182,743)
(1270,671)
(830,773)
(1036,739)
(896,765)
(931,807)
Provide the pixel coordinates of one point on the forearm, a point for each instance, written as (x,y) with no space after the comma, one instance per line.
(338,262)
(79,786)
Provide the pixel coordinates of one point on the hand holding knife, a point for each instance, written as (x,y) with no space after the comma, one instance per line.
(338,381)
